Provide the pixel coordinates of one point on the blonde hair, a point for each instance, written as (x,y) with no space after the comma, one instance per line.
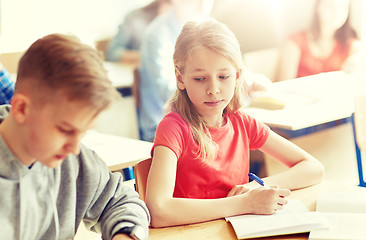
(60,63)
(217,37)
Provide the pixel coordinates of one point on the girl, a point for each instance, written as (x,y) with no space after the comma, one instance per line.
(330,44)
(200,154)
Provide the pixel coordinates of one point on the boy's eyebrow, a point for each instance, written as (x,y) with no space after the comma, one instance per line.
(66,124)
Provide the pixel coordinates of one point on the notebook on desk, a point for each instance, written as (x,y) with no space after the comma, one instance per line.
(280,99)
(346,214)
(293,218)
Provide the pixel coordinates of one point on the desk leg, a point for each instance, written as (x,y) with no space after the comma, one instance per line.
(128,173)
(358,156)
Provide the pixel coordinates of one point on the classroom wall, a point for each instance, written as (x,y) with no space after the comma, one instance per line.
(264,24)
(24,21)
(258,24)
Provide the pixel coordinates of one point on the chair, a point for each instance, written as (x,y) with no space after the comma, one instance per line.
(141,170)
(102,46)
(359,133)
(135,87)
(10,61)
(136,96)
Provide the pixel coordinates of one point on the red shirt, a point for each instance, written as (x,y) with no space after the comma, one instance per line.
(211,179)
(310,64)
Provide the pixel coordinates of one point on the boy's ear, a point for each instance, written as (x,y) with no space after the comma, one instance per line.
(180,82)
(19,107)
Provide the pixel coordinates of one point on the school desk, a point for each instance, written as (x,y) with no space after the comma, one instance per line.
(117,152)
(317,117)
(220,229)
(120,74)
(311,101)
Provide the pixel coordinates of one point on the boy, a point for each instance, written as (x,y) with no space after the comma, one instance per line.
(48,181)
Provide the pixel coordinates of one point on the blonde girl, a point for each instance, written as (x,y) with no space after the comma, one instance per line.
(201,149)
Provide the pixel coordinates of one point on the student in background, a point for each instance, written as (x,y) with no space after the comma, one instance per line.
(6,86)
(200,162)
(156,72)
(330,44)
(125,45)
(49,183)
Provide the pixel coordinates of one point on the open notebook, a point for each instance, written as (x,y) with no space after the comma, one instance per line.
(293,218)
(346,214)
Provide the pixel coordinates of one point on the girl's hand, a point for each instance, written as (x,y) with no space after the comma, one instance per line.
(238,189)
(265,201)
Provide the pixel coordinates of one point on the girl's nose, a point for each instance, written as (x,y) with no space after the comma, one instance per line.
(213,88)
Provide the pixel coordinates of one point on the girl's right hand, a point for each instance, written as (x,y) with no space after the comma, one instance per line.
(265,201)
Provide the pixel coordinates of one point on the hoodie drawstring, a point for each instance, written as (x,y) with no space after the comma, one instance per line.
(52,191)
(21,206)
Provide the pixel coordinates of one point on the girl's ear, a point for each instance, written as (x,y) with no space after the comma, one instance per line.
(19,107)
(179,78)
(238,74)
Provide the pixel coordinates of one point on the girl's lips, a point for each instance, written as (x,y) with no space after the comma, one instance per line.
(214,103)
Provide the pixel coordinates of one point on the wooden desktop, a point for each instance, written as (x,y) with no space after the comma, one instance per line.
(117,152)
(220,229)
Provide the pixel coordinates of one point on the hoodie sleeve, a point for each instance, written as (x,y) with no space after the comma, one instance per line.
(111,205)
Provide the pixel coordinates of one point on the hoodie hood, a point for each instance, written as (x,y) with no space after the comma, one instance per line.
(10,166)
(26,187)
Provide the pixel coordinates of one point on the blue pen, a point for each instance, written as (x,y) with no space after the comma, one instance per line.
(256,178)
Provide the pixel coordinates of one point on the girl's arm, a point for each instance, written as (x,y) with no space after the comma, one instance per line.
(167,211)
(288,62)
(356,59)
(304,170)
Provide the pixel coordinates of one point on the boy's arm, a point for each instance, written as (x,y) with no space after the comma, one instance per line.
(117,45)
(113,205)
(156,59)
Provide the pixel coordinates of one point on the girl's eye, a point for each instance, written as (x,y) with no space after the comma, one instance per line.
(224,76)
(66,131)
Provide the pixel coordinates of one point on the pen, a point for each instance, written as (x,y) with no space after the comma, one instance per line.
(256,178)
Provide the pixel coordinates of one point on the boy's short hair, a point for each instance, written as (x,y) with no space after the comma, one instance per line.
(60,63)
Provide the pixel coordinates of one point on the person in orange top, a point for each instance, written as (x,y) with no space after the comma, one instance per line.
(330,44)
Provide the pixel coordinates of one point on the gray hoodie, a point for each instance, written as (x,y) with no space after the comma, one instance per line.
(46,203)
